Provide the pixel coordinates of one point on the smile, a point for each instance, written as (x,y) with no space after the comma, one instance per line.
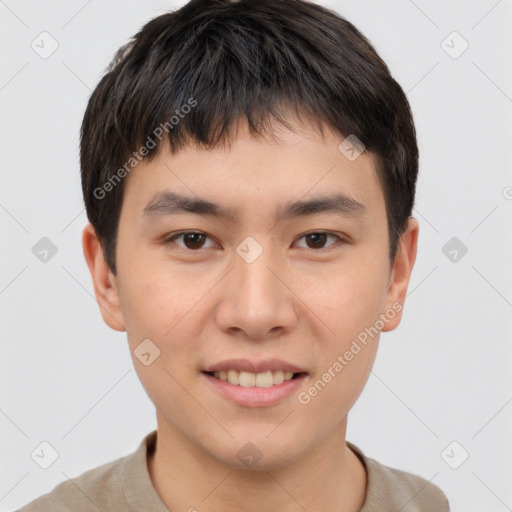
(262,389)
(250,379)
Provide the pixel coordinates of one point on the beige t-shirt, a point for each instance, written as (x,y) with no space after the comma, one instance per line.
(125,485)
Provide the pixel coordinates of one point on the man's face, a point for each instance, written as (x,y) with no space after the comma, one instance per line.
(254,292)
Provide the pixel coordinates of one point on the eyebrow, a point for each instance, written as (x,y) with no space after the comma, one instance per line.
(172,203)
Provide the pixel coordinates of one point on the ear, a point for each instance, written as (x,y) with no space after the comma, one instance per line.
(104,281)
(401,273)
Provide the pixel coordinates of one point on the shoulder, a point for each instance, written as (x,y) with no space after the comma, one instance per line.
(96,489)
(393,489)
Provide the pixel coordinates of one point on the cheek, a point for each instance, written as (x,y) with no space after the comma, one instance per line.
(350,307)
(151,301)
(159,306)
(331,394)
(347,298)
(166,307)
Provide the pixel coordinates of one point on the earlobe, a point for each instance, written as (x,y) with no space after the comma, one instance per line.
(401,273)
(104,281)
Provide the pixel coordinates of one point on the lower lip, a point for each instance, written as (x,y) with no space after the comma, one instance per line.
(254,396)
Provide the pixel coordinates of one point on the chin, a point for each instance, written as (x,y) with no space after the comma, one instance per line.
(261,452)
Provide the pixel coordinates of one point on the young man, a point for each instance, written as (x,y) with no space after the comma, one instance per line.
(249,172)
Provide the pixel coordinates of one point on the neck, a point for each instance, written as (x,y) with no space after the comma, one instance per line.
(330,477)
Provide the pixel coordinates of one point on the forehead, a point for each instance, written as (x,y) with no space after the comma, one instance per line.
(287,174)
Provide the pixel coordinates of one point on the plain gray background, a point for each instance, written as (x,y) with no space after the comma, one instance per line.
(442,377)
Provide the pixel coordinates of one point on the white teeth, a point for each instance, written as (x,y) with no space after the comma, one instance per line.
(234,377)
(249,379)
(278,377)
(264,380)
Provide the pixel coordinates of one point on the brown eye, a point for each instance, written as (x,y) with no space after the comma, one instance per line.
(192,240)
(318,239)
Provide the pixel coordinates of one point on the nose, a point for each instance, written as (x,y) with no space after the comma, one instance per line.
(257,301)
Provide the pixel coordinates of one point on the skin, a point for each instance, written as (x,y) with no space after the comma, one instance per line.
(295,302)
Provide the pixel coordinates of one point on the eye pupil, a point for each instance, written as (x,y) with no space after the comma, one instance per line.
(319,237)
(194,237)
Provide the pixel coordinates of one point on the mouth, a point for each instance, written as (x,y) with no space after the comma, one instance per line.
(248,379)
(255,383)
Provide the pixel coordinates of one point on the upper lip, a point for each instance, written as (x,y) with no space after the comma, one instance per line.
(245,365)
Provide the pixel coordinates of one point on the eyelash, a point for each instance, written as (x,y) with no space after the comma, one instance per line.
(340,241)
